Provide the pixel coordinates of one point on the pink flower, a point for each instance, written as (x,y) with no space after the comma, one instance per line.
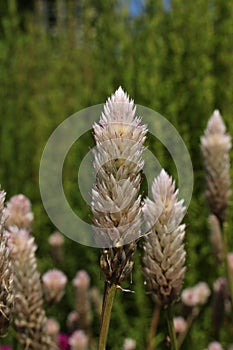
(18,212)
(54,282)
(180,324)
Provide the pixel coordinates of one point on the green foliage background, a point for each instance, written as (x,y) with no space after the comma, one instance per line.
(178,62)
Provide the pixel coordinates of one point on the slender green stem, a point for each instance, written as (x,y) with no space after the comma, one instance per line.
(153,327)
(110,291)
(229,274)
(171,329)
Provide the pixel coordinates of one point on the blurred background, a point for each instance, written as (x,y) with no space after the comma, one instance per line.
(59,56)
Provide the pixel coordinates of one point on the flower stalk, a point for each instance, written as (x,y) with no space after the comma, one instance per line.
(171,329)
(109,295)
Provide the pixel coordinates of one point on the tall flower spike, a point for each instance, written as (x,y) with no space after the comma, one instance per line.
(119,138)
(215,146)
(164,253)
(6,277)
(29,319)
(29,315)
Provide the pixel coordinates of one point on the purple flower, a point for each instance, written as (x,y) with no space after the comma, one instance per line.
(63,341)
(5,347)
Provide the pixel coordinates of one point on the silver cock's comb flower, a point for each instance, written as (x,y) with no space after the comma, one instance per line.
(119,137)
(6,280)
(215,146)
(164,253)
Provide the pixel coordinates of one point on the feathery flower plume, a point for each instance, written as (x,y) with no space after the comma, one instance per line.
(18,212)
(54,283)
(119,137)
(6,277)
(81,283)
(164,253)
(215,146)
(29,316)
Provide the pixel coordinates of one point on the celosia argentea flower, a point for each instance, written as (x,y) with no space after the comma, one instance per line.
(119,137)
(215,146)
(164,253)
(6,281)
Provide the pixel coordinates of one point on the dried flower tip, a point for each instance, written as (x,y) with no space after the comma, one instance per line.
(18,212)
(129,344)
(81,280)
(78,341)
(164,256)
(56,239)
(215,146)
(216,237)
(215,346)
(180,324)
(54,282)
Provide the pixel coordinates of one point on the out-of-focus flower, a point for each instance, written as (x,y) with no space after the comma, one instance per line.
(219,304)
(5,347)
(72,321)
(198,295)
(81,280)
(203,292)
(215,146)
(164,253)
(54,283)
(129,344)
(215,346)
(29,315)
(53,327)
(119,137)
(180,324)
(81,283)
(56,239)
(56,242)
(97,299)
(63,341)
(18,212)
(216,237)
(78,341)
(230,261)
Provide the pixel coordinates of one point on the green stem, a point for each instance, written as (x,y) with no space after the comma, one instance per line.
(153,327)
(171,329)
(110,291)
(229,274)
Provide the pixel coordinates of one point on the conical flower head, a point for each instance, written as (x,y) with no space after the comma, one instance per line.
(6,277)
(215,146)
(119,137)
(164,253)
